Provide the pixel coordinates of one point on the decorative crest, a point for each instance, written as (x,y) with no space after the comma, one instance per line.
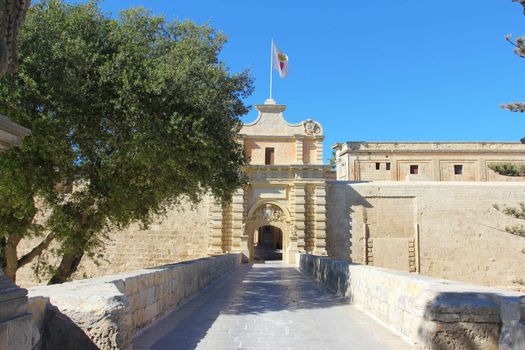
(311,127)
(270,212)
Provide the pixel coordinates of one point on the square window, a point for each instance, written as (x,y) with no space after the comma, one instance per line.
(458,169)
(378,166)
(387,166)
(414,169)
(269,155)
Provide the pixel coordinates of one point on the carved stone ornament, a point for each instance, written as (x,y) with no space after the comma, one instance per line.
(12,15)
(270,212)
(311,127)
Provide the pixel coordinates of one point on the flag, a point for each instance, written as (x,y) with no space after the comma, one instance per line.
(280,61)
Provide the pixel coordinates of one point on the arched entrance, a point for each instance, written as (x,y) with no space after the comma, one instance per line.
(268,225)
(268,243)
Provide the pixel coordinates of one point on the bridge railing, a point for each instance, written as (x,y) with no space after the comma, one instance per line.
(106,312)
(432,313)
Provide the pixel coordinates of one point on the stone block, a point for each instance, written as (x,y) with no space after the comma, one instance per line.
(512,336)
(11,308)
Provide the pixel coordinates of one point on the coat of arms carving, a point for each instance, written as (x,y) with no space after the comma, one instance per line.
(311,127)
(270,212)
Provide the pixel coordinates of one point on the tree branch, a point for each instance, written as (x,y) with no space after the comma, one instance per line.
(36,251)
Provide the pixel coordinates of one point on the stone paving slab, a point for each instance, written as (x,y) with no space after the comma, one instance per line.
(267,306)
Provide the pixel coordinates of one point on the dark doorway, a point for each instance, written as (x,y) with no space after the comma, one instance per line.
(269,243)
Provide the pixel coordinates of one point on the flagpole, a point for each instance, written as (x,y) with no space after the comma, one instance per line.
(271,68)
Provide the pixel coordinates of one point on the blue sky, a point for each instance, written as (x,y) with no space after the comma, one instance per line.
(376,70)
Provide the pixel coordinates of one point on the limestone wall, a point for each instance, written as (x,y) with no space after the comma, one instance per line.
(432,313)
(181,235)
(106,312)
(444,230)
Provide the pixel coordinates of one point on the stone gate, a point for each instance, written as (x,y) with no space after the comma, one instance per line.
(286,188)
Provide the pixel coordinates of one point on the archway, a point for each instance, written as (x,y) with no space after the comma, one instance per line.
(276,218)
(268,243)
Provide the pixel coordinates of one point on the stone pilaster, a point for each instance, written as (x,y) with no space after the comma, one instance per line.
(436,170)
(299,151)
(320,219)
(319,151)
(215,223)
(299,213)
(309,219)
(226,237)
(237,210)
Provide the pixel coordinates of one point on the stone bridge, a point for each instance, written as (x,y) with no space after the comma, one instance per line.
(320,303)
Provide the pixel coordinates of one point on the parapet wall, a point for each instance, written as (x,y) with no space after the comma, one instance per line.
(432,313)
(107,312)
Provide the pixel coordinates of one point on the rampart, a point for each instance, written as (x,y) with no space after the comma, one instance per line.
(432,313)
(106,312)
(181,235)
(440,229)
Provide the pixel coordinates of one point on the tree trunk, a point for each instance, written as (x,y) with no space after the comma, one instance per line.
(3,243)
(70,260)
(68,266)
(11,258)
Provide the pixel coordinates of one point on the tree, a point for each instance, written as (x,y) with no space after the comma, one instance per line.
(128,116)
(12,15)
(509,169)
(519,49)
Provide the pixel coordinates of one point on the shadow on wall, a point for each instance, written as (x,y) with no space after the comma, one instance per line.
(455,320)
(60,332)
(340,200)
(436,314)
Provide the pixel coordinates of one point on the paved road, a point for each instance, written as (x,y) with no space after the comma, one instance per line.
(267,306)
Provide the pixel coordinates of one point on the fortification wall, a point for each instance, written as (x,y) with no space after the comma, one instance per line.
(179,236)
(441,229)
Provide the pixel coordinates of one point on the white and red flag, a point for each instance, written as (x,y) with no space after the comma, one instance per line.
(280,61)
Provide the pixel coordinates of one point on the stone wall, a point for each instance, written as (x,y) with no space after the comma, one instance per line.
(432,313)
(106,312)
(181,235)
(444,230)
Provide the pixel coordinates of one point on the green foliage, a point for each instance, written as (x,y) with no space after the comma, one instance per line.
(519,49)
(517,230)
(133,113)
(517,213)
(519,281)
(508,169)
(514,107)
(333,161)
